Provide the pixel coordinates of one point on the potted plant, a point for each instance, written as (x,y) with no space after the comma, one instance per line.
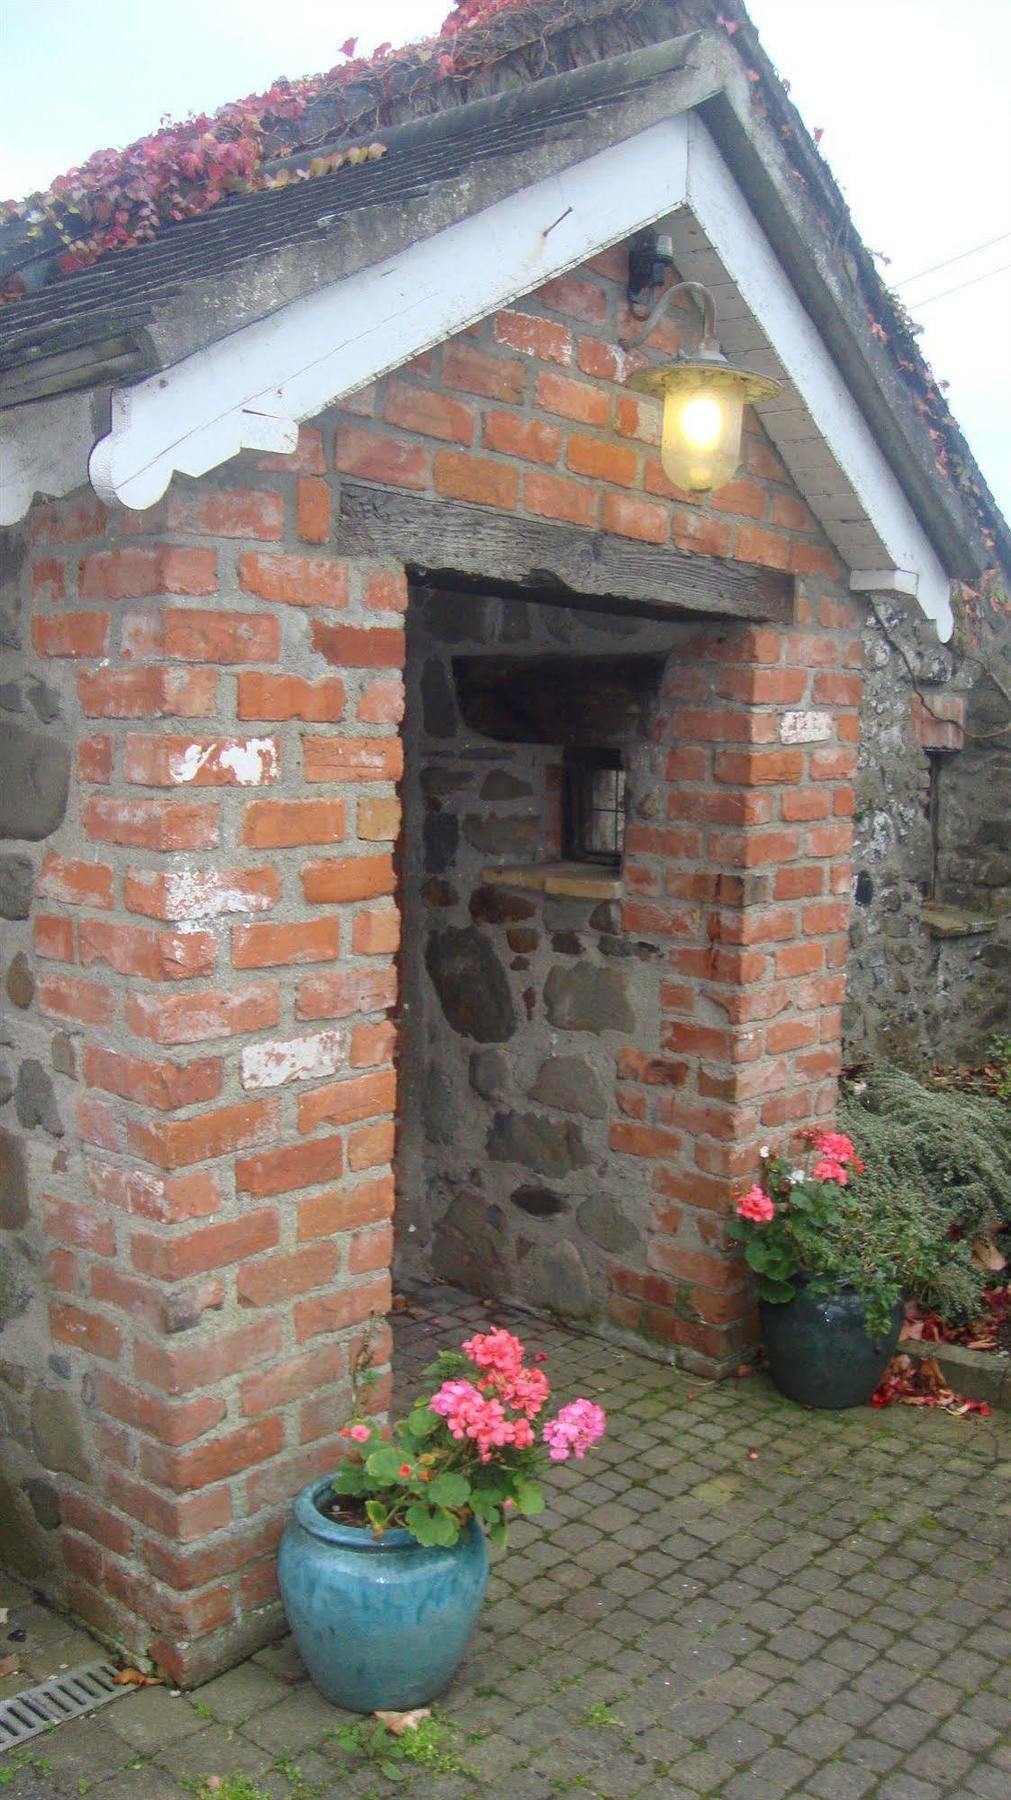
(383,1567)
(830,1272)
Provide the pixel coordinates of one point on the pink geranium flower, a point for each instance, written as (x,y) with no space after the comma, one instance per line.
(577,1428)
(756,1205)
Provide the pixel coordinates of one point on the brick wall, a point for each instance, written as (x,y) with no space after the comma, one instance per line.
(215,933)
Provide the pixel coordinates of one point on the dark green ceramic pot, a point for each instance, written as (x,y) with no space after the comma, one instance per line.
(820,1351)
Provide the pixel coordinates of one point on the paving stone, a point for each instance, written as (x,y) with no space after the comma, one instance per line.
(151,1718)
(240,1694)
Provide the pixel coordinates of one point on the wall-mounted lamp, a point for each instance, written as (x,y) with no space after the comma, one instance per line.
(704,397)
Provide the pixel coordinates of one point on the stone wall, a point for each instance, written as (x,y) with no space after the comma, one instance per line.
(518,1004)
(930,964)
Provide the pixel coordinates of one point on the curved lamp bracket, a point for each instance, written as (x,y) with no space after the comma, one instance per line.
(707,349)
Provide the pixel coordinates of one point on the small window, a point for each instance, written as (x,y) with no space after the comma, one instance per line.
(593,816)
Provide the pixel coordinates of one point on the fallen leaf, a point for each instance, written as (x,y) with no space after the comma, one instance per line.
(135,1678)
(8,1665)
(987,1255)
(399,1722)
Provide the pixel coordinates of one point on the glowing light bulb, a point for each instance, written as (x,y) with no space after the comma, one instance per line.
(701,422)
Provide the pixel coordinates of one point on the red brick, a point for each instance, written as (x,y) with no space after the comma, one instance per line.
(373,1044)
(352,647)
(201,762)
(204,1464)
(534,337)
(74,883)
(219,637)
(293,1379)
(763,687)
(167,1199)
(799,959)
(603,460)
(575,400)
(282,946)
(81,1513)
(345,1208)
(158,1418)
(80,1226)
(750,767)
(209,1247)
(370,1250)
(529,439)
(68,521)
(139,950)
(336,996)
(67,997)
(495,377)
(191,1018)
(342,1102)
(687,765)
(348,1306)
(814,559)
(830,915)
(382,701)
(753,544)
(262,696)
(61,1272)
(180,1520)
(632,1139)
(810,650)
(181,1368)
(49,579)
(432,414)
(554,497)
(294,580)
(699,532)
(132,571)
(833,765)
(200,894)
(152,824)
(295,1166)
(376,933)
(312,510)
(281,824)
(352,759)
(383,459)
(721,725)
(53,938)
(837,690)
(355,878)
(240,513)
(175,1143)
(273,1278)
(372,1146)
(744,498)
(751,849)
(71,633)
(830,840)
(385,590)
(579,298)
(799,883)
(137,693)
(476,479)
(85,1331)
(164,1085)
(804,803)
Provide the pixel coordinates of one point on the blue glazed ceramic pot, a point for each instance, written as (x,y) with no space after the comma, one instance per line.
(820,1351)
(379,1622)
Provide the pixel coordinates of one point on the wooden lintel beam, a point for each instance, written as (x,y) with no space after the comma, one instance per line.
(444,540)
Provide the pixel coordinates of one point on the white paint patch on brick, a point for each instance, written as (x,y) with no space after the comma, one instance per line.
(251,763)
(299,1059)
(205,894)
(805,727)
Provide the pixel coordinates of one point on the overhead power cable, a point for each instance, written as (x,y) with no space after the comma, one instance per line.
(915,305)
(906,279)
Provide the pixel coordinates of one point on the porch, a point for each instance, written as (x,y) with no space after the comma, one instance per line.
(736,1598)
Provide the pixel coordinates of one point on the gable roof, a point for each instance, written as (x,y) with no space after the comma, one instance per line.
(258,258)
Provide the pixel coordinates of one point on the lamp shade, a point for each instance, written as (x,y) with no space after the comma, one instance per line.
(703,410)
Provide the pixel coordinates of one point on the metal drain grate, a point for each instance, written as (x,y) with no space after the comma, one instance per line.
(61,1697)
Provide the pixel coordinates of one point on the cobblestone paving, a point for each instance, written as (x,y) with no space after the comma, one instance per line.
(734,1598)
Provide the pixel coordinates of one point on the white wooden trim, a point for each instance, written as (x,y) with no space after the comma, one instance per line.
(294,364)
(253,388)
(733,231)
(885,581)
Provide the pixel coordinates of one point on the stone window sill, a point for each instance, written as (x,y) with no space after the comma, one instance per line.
(949,922)
(576,881)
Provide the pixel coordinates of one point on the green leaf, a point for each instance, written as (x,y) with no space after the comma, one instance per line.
(422,1422)
(449,1489)
(528,1496)
(498,1534)
(431,1525)
(384,1464)
(377,1514)
(351,1479)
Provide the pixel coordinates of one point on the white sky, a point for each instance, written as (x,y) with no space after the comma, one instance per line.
(912,97)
